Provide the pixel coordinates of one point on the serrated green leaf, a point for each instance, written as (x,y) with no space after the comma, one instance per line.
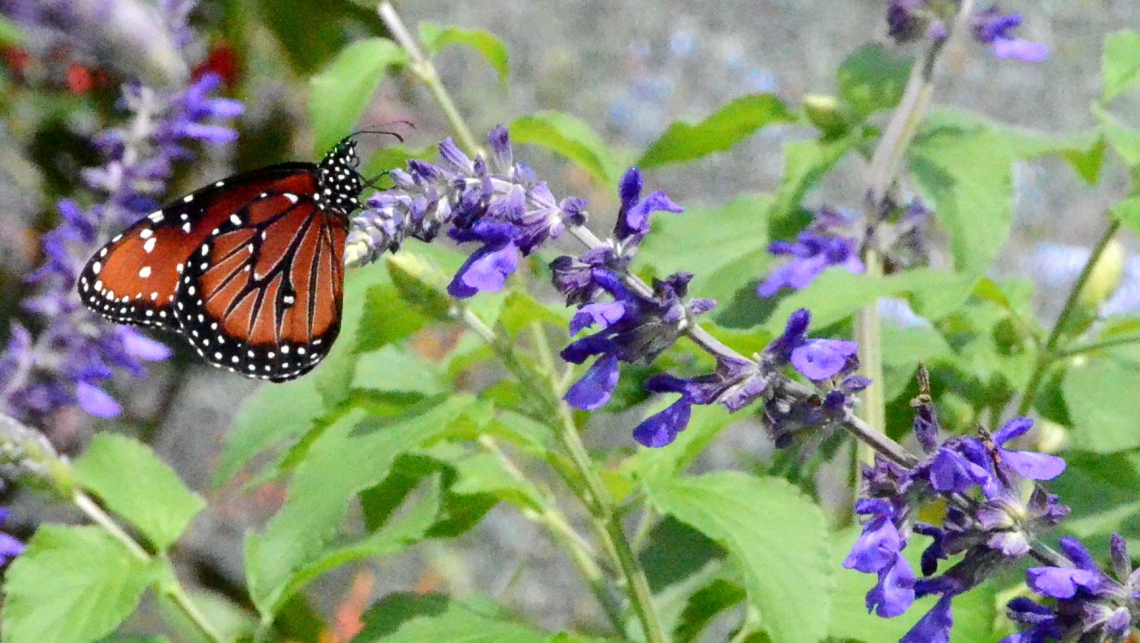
(730,125)
(72,585)
(276,413)
(706,241)
(436,38)
(571,138)
(872,79)
(415,618)
(398,369)
(1121,63)
(353,454)
(967,175)
(1103,405)
(339,94)
(139,487)
(778,536)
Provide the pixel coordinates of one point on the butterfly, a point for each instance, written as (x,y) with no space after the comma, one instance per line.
(250,269)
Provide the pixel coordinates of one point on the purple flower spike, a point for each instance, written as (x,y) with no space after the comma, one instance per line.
(815,250)
(96,402)
(633,218)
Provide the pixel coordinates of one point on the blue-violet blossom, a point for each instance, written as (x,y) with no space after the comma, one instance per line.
(911,19)
(816,249)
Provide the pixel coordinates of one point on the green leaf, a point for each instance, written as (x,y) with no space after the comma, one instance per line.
(704,606)
(1103,406)
(1124,139)
(778,536)
(353,454)
(721,246)
(277,412)
(903,349)
(139,487)
(730,125)
(72,585)
(398,369)
(1128,212)
(415,618)
(1101,489)
(872,79)
(436,38)
(408,529)
(1088,162)
(1121,63)
(805,163)
(569,137)
(308,39)
(339,94)
(387,319)
(967,175)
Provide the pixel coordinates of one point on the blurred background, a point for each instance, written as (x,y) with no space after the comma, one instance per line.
(626,68)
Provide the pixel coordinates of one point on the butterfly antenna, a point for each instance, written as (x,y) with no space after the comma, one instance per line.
(384,132)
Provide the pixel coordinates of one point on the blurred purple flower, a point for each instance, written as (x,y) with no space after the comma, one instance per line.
(9,546)
(815,250)
(909,20)
(75,354)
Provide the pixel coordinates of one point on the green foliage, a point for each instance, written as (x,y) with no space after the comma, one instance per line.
(1104,409)
(571,138)
(966,174)
(414,618)
(730,125)
(72,585)
(437,38)
(339,95)
(351,455)
(872,79)
(778,536)
(112,467)
(1121,63)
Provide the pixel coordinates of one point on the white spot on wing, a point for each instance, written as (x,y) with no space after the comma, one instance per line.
(149,245)
(144,272)
(188,198)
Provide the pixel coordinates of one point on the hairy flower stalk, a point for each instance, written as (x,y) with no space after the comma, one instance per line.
(67,362)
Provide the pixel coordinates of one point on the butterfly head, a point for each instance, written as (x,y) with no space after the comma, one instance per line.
(340,183)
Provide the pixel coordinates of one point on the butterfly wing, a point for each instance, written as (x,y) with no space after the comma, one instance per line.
(262,295)
(134,278)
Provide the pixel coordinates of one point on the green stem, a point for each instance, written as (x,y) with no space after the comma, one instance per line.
(423,68)
(589,487)
(548,515)
(1119,340)
(868,331)
(1048,354)
(174,590)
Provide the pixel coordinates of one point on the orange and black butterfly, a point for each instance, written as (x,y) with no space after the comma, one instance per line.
(250,269)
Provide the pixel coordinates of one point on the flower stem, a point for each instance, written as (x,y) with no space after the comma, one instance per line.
(174,589)
(589,487)
(1048,354)
(869,334)
(423,68)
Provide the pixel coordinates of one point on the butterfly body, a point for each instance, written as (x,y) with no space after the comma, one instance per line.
(250,269)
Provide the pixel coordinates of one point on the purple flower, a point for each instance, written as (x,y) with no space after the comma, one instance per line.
(1085,603)
(9,546)
(662,428)
(811,253)
(992,513)
(910,19)
(993,28)
(495,202)
(632,328)
(633,217)
(74,355)
(816,359)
